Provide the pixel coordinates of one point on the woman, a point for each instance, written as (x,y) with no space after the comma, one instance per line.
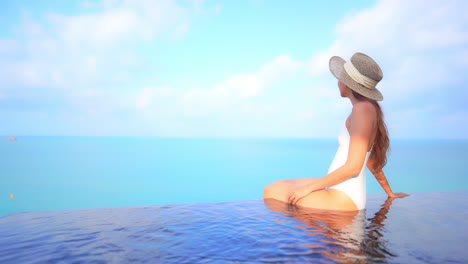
(363,141)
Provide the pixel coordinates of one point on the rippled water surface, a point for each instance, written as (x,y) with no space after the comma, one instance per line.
(427,227)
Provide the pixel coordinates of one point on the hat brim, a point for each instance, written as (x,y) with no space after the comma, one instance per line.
(337,69)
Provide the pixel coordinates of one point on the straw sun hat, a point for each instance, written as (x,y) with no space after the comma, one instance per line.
(361,74)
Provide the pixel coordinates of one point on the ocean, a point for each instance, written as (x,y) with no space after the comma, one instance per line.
(56,173)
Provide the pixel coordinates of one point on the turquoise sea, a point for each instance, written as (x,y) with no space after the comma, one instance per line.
(54,173)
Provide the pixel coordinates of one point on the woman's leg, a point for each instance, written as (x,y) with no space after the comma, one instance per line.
(330,199)
(303,181)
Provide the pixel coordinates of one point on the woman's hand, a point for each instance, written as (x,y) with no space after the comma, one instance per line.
(398,195)
(298,193)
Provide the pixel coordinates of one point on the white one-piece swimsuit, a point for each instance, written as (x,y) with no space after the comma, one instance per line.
(354,187)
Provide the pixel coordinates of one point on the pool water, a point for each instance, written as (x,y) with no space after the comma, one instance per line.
(426,227)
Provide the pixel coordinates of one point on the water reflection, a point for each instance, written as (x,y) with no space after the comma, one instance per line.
(344,237)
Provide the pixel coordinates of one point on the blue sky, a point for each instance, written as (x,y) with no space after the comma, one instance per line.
(247,68)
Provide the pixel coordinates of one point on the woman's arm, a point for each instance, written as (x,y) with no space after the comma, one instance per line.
(380,176)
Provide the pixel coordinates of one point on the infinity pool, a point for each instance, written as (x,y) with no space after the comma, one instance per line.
(427,227)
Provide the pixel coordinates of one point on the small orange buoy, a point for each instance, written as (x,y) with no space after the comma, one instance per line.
(12,196)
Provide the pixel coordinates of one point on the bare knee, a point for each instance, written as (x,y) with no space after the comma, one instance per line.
(268,190)
(280,182)
(274,190)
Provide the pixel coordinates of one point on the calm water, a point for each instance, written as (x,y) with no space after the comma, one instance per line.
(427,227)
(52,173)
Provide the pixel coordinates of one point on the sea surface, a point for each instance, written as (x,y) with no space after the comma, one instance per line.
(426,227)
(57,173)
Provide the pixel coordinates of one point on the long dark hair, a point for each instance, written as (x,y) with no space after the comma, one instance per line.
(378,155)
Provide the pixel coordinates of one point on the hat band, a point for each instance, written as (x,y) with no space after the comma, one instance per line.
(358,77)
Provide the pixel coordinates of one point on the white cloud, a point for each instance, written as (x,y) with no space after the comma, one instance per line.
(249,85)
(307,114)
(401,35)
(228,99)
(94,59)
(421,47)
(7,46)
(217,8)
(88,4)
(91,48)
(239,87)
(96,30)
(150,95)
(461,116)
(91,57)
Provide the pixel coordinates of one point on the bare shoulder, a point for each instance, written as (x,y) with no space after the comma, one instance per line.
(363,117)
(364,109)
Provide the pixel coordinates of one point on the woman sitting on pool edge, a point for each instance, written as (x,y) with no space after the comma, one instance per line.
(363,141)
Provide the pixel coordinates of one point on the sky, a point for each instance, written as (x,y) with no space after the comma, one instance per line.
(246,68)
